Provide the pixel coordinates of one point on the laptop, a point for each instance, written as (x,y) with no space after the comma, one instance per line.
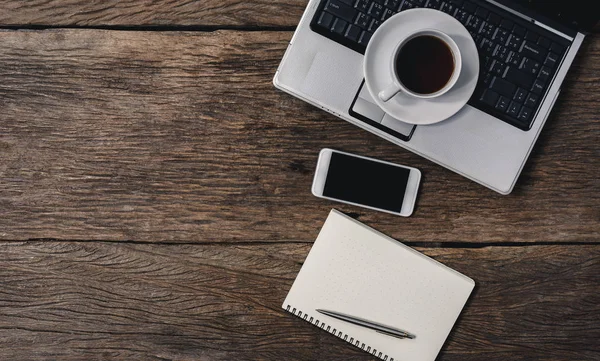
(526,48)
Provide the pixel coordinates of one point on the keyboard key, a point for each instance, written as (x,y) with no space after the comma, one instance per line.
(514,42)
(557,48)
(374,25)
(457,2)
(341,10)
(525,114)
(544,43)
(484,64)
(513,109)
(387,13)
(488,30)
(551,60)
(503,104)
(538,87)
(362,5)
(469,7)
(339,26)
(507,24)
(497,67)
(519,30)
(475,23)
(376,10)
(405,6)
(449,8)
(353,32)
(325,20)
(544,73)
(494,19)
(462,16)
(514,59)
(487,79)
(531,50)
(501,52)
(434,4)
(501,36)
(521,95)
(481,12)
(348,2)
(532,100)
(419,2)
(490,97)
(363,20)
(478,39)
(364,38)
(519,78)
(485,60)
(486,46)
(530,66)
(531,36)
(503,87)
(392,4)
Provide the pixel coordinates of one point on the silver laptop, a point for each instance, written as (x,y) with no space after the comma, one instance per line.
(526,48)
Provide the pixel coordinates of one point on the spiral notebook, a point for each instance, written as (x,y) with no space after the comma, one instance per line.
(356,270)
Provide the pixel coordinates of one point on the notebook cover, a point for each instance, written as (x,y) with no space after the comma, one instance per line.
(356,270)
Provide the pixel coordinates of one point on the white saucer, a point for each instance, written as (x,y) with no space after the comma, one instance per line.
(377,67)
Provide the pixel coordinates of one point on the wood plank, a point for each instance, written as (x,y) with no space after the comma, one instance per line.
(181,137)
(95,300)
(139,13)
(107,13)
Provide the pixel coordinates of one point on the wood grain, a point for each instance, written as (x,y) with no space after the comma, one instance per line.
(99,301)
(139,13)
(181,137)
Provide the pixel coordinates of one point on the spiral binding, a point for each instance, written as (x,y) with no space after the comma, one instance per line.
(337,333)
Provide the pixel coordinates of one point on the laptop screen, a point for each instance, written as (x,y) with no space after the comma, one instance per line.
(576,14)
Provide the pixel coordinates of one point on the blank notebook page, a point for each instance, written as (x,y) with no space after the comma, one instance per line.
(356,270)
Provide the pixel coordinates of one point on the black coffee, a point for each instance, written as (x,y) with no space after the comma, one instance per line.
(425,64)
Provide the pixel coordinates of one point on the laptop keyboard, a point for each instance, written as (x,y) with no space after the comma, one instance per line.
(518,60)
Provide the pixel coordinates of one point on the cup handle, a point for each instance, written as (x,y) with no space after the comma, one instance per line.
(389,92)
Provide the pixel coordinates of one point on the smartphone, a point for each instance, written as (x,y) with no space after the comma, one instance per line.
(366,182)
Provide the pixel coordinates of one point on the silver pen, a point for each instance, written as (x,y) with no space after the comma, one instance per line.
(387,330)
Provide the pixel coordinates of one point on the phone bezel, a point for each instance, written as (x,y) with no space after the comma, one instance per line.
(410,194)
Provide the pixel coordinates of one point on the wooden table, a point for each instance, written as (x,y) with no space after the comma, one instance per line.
(155,196)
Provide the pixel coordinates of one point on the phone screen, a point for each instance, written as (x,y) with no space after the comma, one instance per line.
(366,182)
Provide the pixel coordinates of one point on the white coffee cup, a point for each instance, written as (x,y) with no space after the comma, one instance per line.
(396,85)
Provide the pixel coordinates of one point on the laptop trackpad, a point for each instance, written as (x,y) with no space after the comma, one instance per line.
(365,109)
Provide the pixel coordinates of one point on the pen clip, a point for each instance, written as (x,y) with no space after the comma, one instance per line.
(409,336)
